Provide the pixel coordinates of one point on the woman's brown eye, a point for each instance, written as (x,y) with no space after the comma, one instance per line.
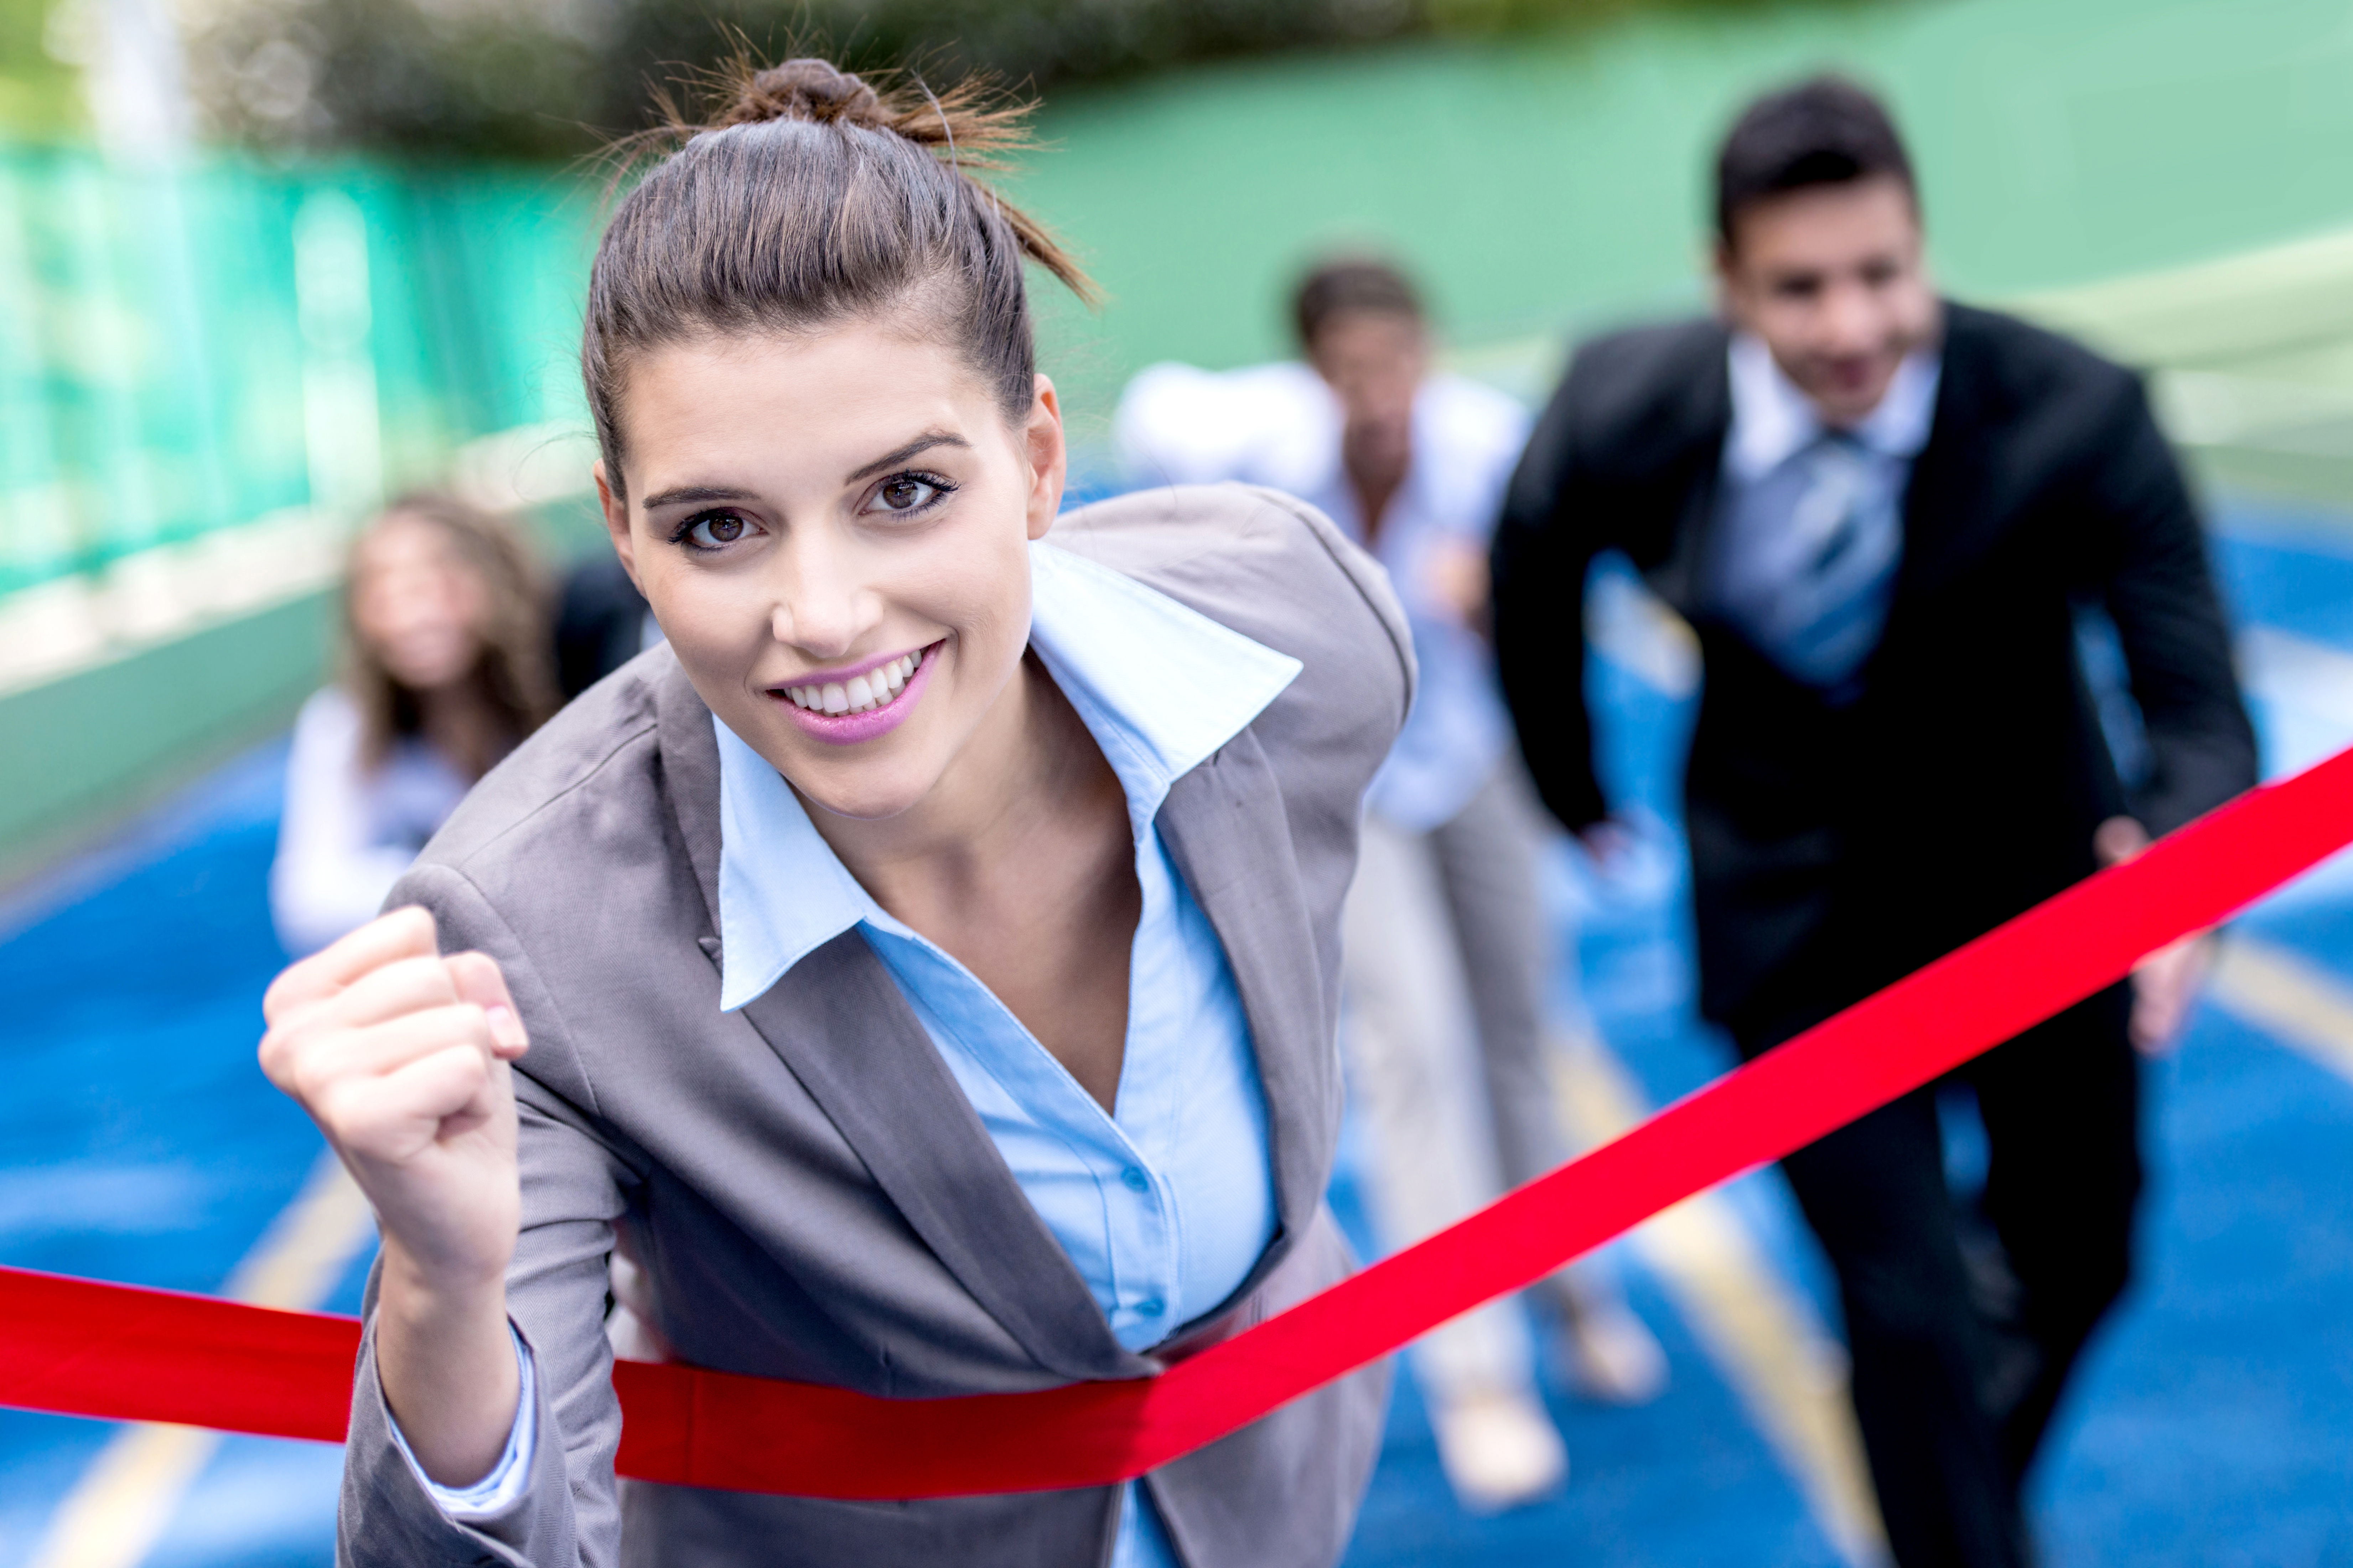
(714,531)
(908,493)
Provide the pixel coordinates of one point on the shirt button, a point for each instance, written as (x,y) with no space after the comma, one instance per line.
(1151,1308)
(1136,1180)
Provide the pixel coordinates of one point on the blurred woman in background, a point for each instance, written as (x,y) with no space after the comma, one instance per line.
(445,671)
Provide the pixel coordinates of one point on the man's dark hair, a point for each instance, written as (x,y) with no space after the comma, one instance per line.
(1349,284)
(1823,132)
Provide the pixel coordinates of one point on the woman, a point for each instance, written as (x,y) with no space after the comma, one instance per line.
(922,969)
(445,671)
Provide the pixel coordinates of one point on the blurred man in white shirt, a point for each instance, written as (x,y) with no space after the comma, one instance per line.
(1448,950)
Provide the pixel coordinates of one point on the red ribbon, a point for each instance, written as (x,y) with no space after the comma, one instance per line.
(84,1347)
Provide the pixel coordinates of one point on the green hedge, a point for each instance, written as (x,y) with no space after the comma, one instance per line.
(552,79)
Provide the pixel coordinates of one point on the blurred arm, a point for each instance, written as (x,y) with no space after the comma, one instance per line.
(327,879)
(2160,592)
(1544,541)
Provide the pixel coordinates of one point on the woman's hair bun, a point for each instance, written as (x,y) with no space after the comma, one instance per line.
(805,89)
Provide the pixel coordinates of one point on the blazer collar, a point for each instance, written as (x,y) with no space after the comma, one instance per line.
(1772,421)
(1954,501)
(838,1023)
(1941,420)
(1227,829)
(892,1097)
(1159,685)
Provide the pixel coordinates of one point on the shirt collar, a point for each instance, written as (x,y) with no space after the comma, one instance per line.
(1159,685)
(1772,421)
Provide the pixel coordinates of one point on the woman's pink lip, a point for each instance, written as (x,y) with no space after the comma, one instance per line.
(849,729)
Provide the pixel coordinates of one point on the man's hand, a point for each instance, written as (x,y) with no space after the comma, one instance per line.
(2166,982)
(400,1055)
(1455,575)
(1608,843)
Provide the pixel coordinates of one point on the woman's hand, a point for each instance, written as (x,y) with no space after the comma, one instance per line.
(400,1055)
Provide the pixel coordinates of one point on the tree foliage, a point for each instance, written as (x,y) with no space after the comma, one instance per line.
(554,76)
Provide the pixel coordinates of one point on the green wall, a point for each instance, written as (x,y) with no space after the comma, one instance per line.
(79,751)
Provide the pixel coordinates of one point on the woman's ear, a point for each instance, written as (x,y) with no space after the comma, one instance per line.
(1047,455)
(617,523)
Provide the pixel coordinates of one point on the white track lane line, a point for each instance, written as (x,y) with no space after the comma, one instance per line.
(120,1507)
(1764,1336)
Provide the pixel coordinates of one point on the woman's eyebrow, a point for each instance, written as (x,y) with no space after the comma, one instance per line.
(922,443)
(695,494)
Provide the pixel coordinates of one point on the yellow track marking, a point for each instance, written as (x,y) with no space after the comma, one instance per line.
(2293,1001)
(1764,1337)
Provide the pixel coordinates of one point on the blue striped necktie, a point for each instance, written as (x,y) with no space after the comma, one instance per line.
(1826,580)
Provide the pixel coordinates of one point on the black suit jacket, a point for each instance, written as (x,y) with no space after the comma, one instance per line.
(1834,849)
(600,623)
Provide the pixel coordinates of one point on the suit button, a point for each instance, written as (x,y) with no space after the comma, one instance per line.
(1136,1180)
(1151,1308)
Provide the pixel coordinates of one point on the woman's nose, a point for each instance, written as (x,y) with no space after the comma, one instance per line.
(822,608)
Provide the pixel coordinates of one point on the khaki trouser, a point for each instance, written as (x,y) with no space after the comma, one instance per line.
(1446,959)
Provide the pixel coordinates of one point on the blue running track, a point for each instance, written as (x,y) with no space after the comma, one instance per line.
(2214,1425)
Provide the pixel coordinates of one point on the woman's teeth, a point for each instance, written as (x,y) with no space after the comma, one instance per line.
(859,692)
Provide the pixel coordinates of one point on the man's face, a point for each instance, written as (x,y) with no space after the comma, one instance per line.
(1833,278)
(1373,361)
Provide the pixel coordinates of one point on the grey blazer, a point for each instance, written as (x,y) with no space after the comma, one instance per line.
(805,1191)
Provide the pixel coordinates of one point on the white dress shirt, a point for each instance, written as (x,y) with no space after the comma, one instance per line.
(1784,488)
(1279,426)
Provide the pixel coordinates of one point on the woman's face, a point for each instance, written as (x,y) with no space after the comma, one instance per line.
(417,604)
(833,533)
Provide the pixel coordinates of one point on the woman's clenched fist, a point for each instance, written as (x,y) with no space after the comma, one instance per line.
(400,1055)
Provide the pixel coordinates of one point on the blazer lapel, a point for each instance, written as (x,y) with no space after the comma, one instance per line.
(1948,505)
(838,1023)
(1224,827)
(1679,577)
(690,758)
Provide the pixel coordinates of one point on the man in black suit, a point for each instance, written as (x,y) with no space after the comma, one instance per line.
(1884,513)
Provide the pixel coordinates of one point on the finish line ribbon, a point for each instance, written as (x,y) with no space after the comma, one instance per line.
(83,1348)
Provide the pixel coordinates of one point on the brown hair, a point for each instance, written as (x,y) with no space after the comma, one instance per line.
(812,198)
(1824,130)
(514,676)
(1340,284)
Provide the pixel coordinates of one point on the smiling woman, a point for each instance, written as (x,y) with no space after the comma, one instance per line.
(917,976)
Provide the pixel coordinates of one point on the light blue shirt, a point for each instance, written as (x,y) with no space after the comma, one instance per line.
(1165,1204)
(1279,426)
(1788,486)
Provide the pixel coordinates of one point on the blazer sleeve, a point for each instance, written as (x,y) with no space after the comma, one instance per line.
(2159,587)
(573,1194)
(1544,542)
